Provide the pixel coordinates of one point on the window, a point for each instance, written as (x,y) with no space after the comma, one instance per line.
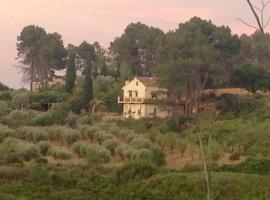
(137,83)
(136,93)
(130,93)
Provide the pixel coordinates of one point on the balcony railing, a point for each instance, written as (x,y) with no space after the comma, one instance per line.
(142,100)
(131,100)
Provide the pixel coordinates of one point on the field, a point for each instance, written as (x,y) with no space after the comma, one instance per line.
(86,156)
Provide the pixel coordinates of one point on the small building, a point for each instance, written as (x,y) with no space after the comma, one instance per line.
(142,97)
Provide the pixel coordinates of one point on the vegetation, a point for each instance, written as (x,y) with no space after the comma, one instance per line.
(66,141)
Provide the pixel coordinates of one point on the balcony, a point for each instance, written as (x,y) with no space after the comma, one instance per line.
(131,100)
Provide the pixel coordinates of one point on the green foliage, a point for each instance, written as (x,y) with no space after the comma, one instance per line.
(71,120)
(142,154)
(60,153)
(34,134)
(16,151)
(111,145)
(44,147)
(97,155)
(3,87)
(250,166)
(88,132)
(56,115)
(4,109)
(140,143)
(70,136)
(5,95)
(17,118)
(135,170)
(5,131)
(251,77)
(71,72)
(237,105)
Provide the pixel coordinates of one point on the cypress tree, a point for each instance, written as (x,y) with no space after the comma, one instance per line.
(71,72)
(87,86)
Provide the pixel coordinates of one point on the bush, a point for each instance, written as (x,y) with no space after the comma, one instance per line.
(80,148)
(71,120)
(84,120)
(18,118)
(5,131)
(70,136)
(98,155)
(135,170)
(60,153)
(34,134)
(141,143)
(142,154)
(16,151)
(44,147)
(88,132)
(111,145)
(55,132)
(29,152)
(158,156)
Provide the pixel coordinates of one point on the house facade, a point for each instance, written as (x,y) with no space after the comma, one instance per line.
(140,99)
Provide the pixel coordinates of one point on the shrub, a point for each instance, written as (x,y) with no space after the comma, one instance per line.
(70,136)
(71,120)
(18,118)
(98,155)
(34,134)
(120,150)
(100,136)
(60,153)
(4,108)
(142,154)
(130,137)
(135,170)
(111,145)
(5,131)
(158,156)
(14,150)
(29,152)
(84,120)
(44,147)
(141,143)
(55,132)
(80,148)
(88,132)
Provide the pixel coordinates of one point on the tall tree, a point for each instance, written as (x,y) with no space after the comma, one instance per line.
(52,56)
(136,49)
(86,51)
(39,52)
(255,49)
(71,70)
(28,47)
(189,55)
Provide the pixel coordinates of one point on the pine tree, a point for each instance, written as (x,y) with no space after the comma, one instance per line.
(71,72)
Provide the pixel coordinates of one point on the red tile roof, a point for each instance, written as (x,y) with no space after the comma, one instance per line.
(148,81)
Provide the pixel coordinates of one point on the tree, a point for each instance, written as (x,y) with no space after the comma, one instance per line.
(52,55)
(39,53)
(136,49)
(28,47)
(255,49)
(71,71)
(87,52)
(251,77)
(190,55)
(259,14)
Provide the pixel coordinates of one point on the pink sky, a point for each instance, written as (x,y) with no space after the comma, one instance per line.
(103,20)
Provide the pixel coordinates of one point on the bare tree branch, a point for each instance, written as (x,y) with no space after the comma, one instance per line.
(256,16)
(247,24)
(267,22)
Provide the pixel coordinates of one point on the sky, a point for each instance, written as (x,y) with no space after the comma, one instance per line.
(103,20)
